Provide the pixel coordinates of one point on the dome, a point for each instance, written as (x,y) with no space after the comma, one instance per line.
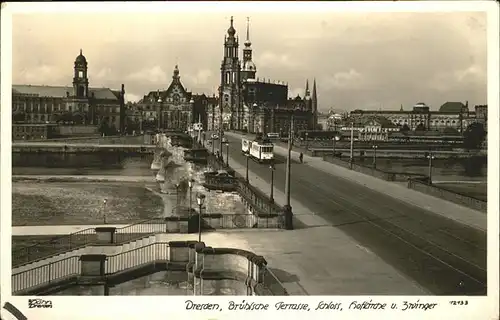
(249,66)
(231,31)
(80,59)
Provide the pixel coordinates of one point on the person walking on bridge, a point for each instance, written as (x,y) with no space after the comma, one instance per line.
(301,157)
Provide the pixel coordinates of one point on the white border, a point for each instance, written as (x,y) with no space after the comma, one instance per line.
(160,307)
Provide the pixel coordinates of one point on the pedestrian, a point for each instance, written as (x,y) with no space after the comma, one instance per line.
(301,157)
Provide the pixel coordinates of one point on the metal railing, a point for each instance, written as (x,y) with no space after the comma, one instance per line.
(72,267)
(45,274)
(75,240)
(241,221)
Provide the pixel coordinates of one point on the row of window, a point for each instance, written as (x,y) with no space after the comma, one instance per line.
(49,108)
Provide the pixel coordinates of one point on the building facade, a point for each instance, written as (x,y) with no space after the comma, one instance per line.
(454,115)
(78,104)
(174,106)
(256,106)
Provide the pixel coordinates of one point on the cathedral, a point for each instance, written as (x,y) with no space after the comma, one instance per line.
(255,105)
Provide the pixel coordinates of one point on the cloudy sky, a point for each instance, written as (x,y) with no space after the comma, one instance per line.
(359,60)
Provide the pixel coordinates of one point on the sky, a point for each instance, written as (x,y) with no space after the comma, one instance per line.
(359,60)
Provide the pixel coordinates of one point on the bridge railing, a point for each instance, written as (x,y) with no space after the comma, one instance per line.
(242,221)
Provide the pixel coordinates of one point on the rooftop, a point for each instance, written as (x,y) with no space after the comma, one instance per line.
(61,91)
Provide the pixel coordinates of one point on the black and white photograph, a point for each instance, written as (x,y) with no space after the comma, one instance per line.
(229,150)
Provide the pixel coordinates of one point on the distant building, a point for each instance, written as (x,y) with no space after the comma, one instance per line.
(377,129)
(450,115)
(78,104)
(254,105)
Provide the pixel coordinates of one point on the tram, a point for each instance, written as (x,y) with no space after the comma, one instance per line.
(260,150)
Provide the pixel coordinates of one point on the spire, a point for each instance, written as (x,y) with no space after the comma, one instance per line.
(314,89)
(307,87)
(81,52)
(401,108)
(247,42)
(231,32)
(176,72)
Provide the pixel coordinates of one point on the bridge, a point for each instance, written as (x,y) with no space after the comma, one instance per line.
(405,228)
(65,147)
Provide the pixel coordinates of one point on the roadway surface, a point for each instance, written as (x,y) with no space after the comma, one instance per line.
(444,256)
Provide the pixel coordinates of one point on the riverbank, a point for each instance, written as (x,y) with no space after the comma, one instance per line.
(82,202)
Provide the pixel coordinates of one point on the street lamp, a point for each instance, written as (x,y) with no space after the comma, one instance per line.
(374,147)
(227,153)
(334,143)
(200,198)
(287,208)
(307,141)
(247,156)
(104,209)
(177,193)
(430,157)
(190,183)
(271,198)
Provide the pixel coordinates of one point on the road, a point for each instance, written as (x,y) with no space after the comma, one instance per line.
(442,255)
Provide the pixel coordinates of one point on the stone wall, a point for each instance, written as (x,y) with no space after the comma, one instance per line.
(137,139)
(448,195)
(211,265)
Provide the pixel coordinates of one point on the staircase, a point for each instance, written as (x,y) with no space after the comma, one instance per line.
(66,265)
(78,240)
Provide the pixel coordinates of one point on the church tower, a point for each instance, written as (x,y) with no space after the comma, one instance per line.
(248,70)
(80,80)
(230,80)
(314,103)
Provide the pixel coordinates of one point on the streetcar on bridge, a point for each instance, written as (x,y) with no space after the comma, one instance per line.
(260,149)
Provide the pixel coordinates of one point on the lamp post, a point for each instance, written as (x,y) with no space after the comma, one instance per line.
(246,176)
(288,208)
(200,199)
(374,147)
(307,141)
(227,153)
(159,112)
(271,197)
(177,194)
(104,209)
(351,158)
(334,143)
(430,157)
(190,183)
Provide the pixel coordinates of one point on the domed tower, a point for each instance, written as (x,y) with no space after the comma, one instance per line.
(230,79)
(248,69)
(80,80)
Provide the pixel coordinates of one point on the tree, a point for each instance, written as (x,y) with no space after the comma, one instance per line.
(474,136)
(405,128)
